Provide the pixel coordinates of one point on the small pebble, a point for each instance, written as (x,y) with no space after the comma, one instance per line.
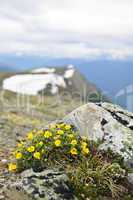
(4,161)
(2,197)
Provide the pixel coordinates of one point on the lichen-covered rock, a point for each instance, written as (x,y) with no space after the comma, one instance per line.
(130,179)
(107,122)
(45,185)
(130,182)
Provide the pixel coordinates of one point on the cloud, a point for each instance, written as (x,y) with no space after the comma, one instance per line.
(67,29)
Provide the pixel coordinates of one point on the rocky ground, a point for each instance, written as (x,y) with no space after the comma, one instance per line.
(109,123)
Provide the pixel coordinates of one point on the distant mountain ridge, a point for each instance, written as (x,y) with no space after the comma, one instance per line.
(6,68)
(53,80)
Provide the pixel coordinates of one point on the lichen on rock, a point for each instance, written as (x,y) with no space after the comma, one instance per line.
(107,122)
(50,184)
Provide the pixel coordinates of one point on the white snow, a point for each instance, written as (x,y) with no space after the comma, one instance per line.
(70,66)
(31,84)
(69,73)
(44,70)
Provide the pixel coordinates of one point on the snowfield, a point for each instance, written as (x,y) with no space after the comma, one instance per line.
(38,80)
(69,73)
(44,70)
(31,84)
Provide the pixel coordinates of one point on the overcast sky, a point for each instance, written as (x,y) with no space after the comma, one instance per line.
(67,28)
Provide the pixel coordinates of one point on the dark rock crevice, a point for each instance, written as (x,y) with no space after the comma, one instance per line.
(117,117)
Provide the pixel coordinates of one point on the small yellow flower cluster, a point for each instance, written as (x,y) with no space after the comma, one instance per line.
(30,136)
(57,143)
(12,167)
(60,132)
(47,134)
(18,155)
(74,151)
(37,155)
(39,144)
(31,149)
(74,142)
(85,150)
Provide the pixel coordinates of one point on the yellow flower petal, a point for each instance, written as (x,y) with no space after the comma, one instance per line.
(70,135)
(31,149)
(47,134)
(74,151)
(12,167)
(30,136)
(85,150)
(67,127)
(60,132)
(21,144)
(41,143)
(19,155)
(37,155)
(84,144)
(74,142)
(57,143)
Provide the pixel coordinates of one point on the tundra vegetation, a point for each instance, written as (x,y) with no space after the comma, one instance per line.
(92,173)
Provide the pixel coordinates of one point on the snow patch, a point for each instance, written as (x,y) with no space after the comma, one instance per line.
(70,66)
(69,73)
(44,70)
(31,84)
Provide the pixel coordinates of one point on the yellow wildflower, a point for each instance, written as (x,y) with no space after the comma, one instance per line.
(31,149)
(56,137)
(84,144)
(85,150)
(67,127)
(30,136)
(43,151)
(74,142)
(74,151)
(21,144)
(41,143)
(57,143)
(37,155)
(19,155)
(47,134)
(12,167)
(60,132)
(62,125)
(70,135)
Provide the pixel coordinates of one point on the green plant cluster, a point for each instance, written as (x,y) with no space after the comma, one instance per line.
(96,178)
(93,174)
(60,142)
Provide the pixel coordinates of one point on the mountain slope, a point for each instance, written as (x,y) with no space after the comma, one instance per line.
(51,81)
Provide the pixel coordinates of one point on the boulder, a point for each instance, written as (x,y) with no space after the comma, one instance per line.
(50,184)
(130,181)
(106,122)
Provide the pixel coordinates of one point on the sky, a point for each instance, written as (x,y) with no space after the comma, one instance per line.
(73,29)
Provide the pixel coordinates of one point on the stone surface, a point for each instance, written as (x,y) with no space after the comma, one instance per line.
(107,122)
(45,185)
(130,182)
(130,179)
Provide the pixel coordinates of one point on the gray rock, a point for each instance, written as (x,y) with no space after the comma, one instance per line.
(45,185)
(107,122)
(130,182)
(130,179)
